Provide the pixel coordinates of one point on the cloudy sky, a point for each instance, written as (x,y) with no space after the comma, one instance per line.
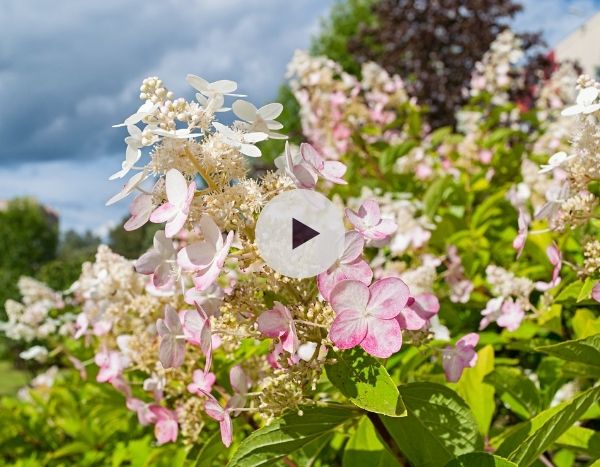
(69,69)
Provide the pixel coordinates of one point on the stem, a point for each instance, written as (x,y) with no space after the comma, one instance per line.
(209,181)
(384,434)
(308,323)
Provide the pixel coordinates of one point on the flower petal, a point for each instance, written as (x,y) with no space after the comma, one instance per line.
(383,339)
(348,330)
(349,295)
(388,297)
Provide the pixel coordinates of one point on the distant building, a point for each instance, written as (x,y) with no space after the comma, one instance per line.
(582,45)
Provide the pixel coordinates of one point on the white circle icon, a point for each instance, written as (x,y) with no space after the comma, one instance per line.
(300,233)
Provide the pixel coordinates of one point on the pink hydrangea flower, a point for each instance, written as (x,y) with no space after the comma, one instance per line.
(201,382)
(349,266)
(206,258)
(279,323)
(462,355)
(366,316)
(521,238)
(166,427)
(369,223)
(418,311)
(511,315)
(140,210)
(556,260)
(172,345)
(329,170)
(217,412)
(157,260)
(177,207)
(111,364)
(240,383)
(491,312)
(197,331)
(142,409)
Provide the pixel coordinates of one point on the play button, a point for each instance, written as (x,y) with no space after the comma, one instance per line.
(300,233)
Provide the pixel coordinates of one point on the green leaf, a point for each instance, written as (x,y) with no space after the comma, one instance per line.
(365,448)
(585,323)
(586,350)
(569,293)
(288,434)
(586,289)
(581,439)
(527,441)
(434,195)
(477,394)
(439,425)
(524,397)
(210,451)
(388,157)
(309,454)
(363,380)
(479,459)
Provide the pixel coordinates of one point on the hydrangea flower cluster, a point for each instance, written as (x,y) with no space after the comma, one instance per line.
(176,319)
(334,104)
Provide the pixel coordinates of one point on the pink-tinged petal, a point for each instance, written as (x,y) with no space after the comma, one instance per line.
(355,219)
(348,329)
(202,382)
(140,210)
(163,213)
(161,328)
(148,262)
(212,407)
(206,338)
(350,295)
(388,297)
(357,270)
(226,427)
(174,226)
(224,251)
(196,256)
(274,322)
(210,230)
(193,324)
(162,275)
(207,277)
(176,187)
(238,379)
(370,213)
(471,339)
(172,320)
(553,254)
(171,352)
(334,171)
(511,316)
(311,156)
(166,431)
(305,177)
(418,311)
(353,247)
(596,292)
(383,338)
(386,227)
(290,341)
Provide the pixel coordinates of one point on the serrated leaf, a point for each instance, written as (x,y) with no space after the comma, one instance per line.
(365,448)
(366,382)
(479,459)
(434,195)
(477,394)
(586,350)
(289,434)
(439,425)
(527,441)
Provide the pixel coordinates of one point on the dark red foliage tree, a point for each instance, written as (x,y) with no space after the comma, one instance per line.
(434,45)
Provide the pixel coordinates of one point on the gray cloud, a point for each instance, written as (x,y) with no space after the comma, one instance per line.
(70,69)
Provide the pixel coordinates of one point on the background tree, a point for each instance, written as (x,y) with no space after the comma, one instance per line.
(434,45)
(131,244)
(28,239)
